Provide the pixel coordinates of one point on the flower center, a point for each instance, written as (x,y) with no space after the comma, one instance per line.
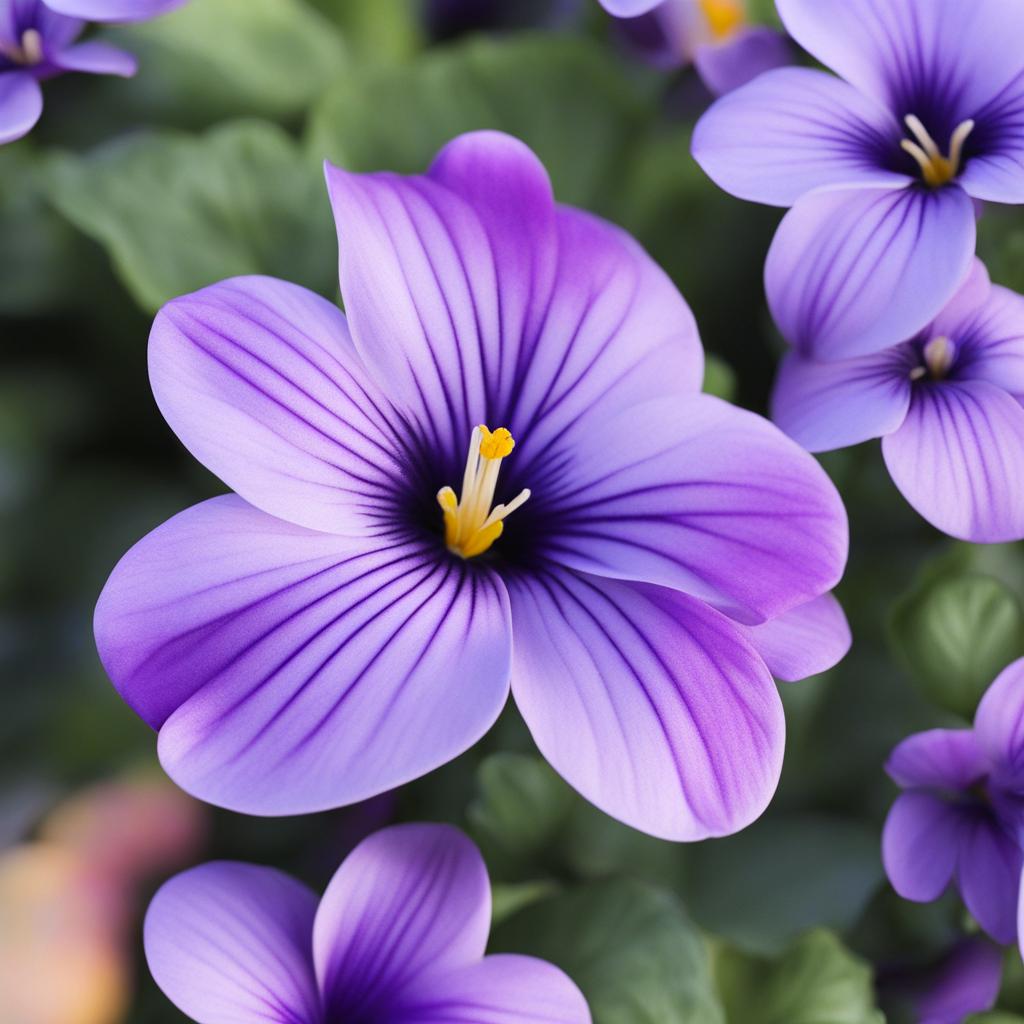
(471,525)
(723,16)
(938,356)
(30,50)
(936,169)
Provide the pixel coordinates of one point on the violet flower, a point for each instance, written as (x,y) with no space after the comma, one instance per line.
(399,935)
(352,618)
(38,40)
(960,815)
(966,982)
(947,405)
(713,35)
(882,164)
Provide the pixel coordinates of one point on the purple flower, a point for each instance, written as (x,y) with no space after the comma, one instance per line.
(346,622)
(966,982)
(38,41)
(947,403)
(961,815)
(399,936)
(882,164)
(714,35)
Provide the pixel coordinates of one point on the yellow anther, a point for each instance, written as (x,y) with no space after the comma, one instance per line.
(496,444)
(723,16)
(936,169)
(938,356)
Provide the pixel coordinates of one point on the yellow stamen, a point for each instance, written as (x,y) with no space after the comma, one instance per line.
(724,17)
(938,356)
(936,169)
(471,525)
(28,52)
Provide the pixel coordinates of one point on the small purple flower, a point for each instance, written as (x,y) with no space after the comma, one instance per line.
(38,41)
(966,982)
(398,936)
(948,405)
(714,35)
(346,622)
(882,164)
(960,816)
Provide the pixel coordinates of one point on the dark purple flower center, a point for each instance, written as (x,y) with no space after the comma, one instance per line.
(937,168)
(934,358)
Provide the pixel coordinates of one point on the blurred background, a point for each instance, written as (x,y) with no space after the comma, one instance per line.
(208,164)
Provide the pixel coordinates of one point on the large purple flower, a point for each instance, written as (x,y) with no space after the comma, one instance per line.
(947,403)
(346,623)
(38,40)
(961,814)
(399,936)
(882,164)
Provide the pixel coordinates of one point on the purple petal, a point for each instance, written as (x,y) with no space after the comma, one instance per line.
(230,944)
(989,877)
(959,460)
(966,982)
(747,53)
(823,406)
(114,10)
(21,104)
(989,340)
(503,989)
(648,702)
(261,382)
(699,496)
(803,642)
(793,130)
(292,671)
(96,58)
(629,8)
(999,726)
(938,759)
(851,272)
(407,900)
(920,843)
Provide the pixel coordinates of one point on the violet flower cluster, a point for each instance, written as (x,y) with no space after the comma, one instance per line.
(398,936)
(39,40)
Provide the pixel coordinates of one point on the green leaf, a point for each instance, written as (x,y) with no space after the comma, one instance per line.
(630,947)
(816,981)
(763,887)
(176,212)
(719,378)
(565,97)
(955,634)
(995,1017)
(508,899)
(374,29)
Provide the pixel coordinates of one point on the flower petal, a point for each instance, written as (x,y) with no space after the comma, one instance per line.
(793,130)
(852,272)
(229,943)
(648,702)
(989,871)
(938,759)
(114,10)
(629,8)
(260,381)
(989,340)
(749,52)
(292,671)
(966,982)
(959,460)
(96,58)
(823,406)
(999,726)
(919,845)
(409,899)
(21,104)
(699,496)
(503,989)
(804,641)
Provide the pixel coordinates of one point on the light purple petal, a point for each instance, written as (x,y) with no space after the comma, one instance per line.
(999,726)
(959,460)
(700,496)
(21,104)
(648,702)
(409,899)
(972,295)
(920,844)
(823,406)
(261,382)
(948,759)
(96,58)
(291,671)
(803,642)
(851,272)
(231,944)
(989,340)
(989,872)
(793,130)
(747,53)
(629,8)
(503,989)
(114,10)
(966,982)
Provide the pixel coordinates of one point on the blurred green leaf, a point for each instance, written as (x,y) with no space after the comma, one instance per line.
(816,981)
(719,378)
(508,899)
(955,634)
(763,887)
(176,212)
(373,29)
(996,1017)
(630,947)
